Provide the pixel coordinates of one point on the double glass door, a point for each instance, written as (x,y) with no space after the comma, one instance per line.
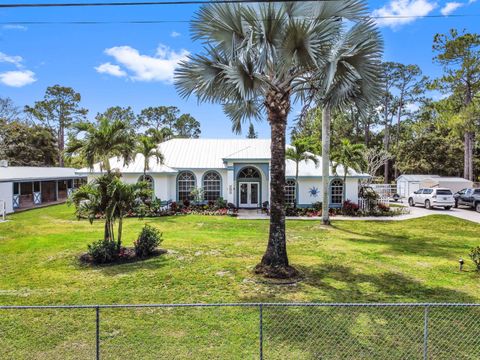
(249,194)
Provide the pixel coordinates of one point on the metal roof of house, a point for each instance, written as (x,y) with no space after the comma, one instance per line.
(211,154)
(25,173)
(416,177)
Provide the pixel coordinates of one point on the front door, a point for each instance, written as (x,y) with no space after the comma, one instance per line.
(248,194)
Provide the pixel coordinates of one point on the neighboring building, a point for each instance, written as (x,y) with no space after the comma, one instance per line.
(407,184)
(237,170)
(25,187)
(453,183)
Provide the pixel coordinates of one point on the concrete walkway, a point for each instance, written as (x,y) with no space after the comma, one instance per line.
(415,212)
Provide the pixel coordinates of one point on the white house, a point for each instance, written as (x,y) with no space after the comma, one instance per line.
(237,170)
(25,187)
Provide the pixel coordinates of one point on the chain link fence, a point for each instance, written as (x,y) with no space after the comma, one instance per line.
(241,331)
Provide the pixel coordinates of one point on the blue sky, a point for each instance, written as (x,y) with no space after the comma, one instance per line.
(132,64)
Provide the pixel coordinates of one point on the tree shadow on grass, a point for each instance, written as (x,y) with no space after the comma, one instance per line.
(415,244)
(361,332)
(152,263)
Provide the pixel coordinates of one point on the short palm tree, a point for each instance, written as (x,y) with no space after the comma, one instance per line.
(255,58)
(298,153)
(109,197)
(352,74)
(148,147)
(125,198)
(92,200)
(101,141)
(348,156)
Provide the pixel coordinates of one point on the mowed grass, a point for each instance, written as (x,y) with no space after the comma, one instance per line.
(210,260)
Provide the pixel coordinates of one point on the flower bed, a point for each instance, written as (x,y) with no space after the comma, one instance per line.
(349,208)
(213,208)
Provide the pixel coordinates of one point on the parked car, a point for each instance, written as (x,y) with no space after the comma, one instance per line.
(469,197)
(432,197)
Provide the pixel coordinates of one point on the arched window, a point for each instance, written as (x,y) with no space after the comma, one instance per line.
(185,185)
(249,173)
(211,186)
(290,192)
(336,192)
(148,179)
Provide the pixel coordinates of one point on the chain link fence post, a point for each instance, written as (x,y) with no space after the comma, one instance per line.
(425,333)
(97,332)
(261,330)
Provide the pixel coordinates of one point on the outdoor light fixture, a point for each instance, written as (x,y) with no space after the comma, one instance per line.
(461,262)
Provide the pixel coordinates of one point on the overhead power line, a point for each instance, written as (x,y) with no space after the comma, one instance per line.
(142,3)
(112,22)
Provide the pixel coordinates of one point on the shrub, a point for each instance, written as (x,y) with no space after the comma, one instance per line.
(317,205)
(220,203)
(211,203)
(148,240)
(174,206)
(350,208)
(103,251)
(186,203)
(383,207)
(475,256)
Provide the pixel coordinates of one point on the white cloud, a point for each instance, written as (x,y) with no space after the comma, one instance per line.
(110,69)
(175,34)
(15,60)
(17,78)
(159,67)
(401,12)
(450,7)
(14,27)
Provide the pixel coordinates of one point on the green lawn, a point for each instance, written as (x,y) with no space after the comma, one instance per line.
(210,260)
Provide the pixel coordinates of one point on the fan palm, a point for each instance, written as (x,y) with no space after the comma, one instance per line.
(298,152)
(148,148)
(103,140)
(351,75)
(348,156)
(255,59)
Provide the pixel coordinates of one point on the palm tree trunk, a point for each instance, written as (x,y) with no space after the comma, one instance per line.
(275,260)
(326,118)
(119,231)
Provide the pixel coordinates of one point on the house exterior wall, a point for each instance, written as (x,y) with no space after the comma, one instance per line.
(305,185)
(6,194)
(165,185)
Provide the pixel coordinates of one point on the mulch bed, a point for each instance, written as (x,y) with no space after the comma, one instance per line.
(127,256)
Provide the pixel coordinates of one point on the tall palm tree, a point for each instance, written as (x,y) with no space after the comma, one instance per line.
(352,74)
(103,140)
(149,148)
(348,156)
(255,58)
(298,153)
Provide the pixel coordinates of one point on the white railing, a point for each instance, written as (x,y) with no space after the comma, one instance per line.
(385,190)
(366,204)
